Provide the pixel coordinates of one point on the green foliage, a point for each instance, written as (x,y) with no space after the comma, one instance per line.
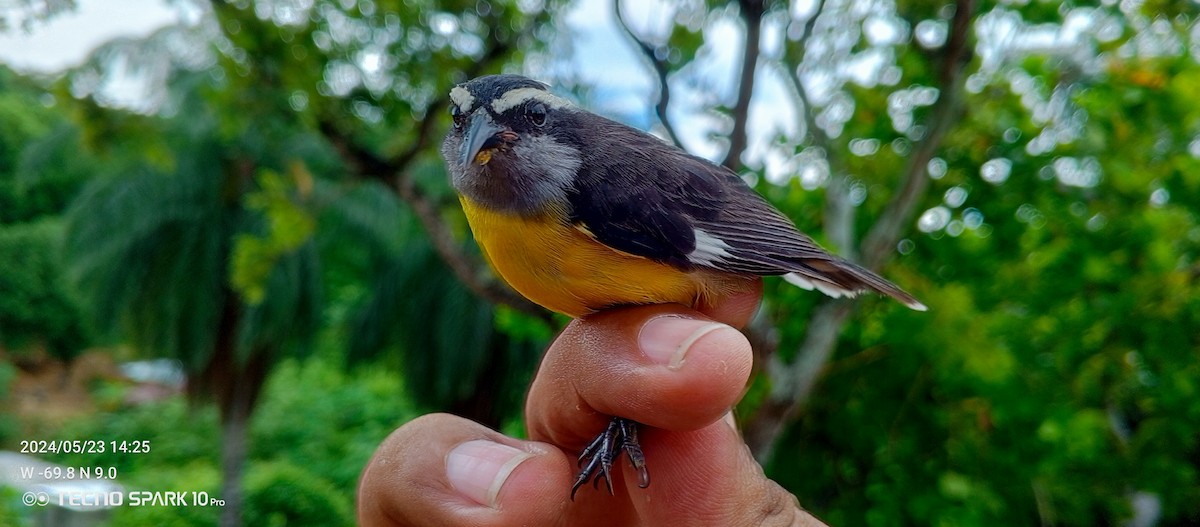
(441,330)
(179,436)
(40,170)
(151,248)
(189,477)
(40,165)
(1055,374)
(298,472)
(279,494)
(8,422)
(357,410)
(399,297)
(36,306)
(1045,382)
(22,117)
(12,511)
(289,227)
(147,254)
(150,251)
(310,70)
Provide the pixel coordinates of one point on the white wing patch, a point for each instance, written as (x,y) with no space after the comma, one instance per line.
(709,249)
(518,96)
(462,98)
(808,284)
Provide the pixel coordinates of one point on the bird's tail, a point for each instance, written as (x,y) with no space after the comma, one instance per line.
(840,278)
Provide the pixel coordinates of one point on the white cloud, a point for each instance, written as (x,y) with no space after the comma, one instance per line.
(67,39)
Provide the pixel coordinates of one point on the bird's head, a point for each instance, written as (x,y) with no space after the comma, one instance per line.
(512,146)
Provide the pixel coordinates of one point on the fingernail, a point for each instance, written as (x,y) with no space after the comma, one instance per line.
(730,420)
(478,469)
(667,339)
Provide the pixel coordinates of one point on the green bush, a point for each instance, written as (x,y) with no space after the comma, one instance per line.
(193,477)
(179,435)
(11,508)
(311,414)
(8,423)
(35,304)
(315,415)
(280,493)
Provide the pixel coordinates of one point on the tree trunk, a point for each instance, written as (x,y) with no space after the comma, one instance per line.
(752,14)
(237,400)
(793,384)
(234,426)
(234,385)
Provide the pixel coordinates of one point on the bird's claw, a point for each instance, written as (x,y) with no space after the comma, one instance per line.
(597,458)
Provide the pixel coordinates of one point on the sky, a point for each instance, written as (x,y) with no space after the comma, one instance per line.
(607,60)
(603,58)
(67,39)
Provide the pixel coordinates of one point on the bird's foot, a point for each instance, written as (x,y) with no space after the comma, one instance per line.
(597,459)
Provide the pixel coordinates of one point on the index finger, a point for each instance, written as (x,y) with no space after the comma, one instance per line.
(736,310)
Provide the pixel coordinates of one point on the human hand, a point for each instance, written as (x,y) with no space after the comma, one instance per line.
(675,370)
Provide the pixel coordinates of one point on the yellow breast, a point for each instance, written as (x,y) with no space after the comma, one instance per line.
(563,269)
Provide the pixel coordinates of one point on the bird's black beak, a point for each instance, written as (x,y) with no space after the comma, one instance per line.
(483,135)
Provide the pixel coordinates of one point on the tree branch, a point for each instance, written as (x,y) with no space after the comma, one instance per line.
(495,53)
(660,69)
(793,384)
(792,57)
(896,218)
(839,212)
(752,14)
(395,173)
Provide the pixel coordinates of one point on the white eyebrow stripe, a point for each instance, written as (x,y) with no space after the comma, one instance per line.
(519,96)
(463,98)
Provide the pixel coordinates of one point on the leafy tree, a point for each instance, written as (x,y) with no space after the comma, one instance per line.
(405,300)
(35,305)
(1039,197)
(346,73)
(37,180)
(198,242)
(357,407)
(154,250)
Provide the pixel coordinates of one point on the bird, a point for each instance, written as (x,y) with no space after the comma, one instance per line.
(580,213)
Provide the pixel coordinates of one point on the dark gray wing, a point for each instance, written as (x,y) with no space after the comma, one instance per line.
(656,201)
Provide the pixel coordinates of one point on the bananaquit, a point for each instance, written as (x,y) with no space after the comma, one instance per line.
(579,213)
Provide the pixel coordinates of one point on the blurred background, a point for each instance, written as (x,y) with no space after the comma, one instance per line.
(225,229)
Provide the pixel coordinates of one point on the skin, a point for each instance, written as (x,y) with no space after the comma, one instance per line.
(702,472)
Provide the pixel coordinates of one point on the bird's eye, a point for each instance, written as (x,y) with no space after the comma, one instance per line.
(536,113)
(457,115)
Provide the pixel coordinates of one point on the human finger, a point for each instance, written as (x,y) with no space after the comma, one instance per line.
(666,366)
(443,470)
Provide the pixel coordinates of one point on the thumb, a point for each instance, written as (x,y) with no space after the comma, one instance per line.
(442,470)
(708,477)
